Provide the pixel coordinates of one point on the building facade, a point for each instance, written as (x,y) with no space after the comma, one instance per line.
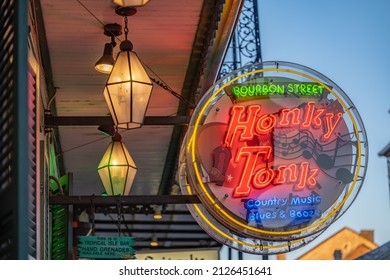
(52,107)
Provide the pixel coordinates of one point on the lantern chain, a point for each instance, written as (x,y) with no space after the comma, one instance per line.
(119,218)
(92,216)
(126,29)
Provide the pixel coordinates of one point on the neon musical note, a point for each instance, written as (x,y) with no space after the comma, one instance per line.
(326,158)
(287,147)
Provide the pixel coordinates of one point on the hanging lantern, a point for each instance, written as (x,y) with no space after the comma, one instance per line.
(117,169)
(128,88)
(130,3)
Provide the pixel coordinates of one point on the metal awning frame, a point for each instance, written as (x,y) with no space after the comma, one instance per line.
(124,200)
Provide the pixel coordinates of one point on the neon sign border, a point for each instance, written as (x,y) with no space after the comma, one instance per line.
(191,147)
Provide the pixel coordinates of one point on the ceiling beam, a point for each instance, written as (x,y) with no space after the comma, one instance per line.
(151,222)
(149,249)
(107,120)
(145,230)
(183,239)
(124,200)
(126,210)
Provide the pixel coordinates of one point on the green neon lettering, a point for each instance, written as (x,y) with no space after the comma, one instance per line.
(280,89)
(309,89)
(258,90)
(262,90)
(236,91)
(272,88)
(244,91)
(251,90)
(296,88)
(290,88)
(265,89)
(315,89)
(303,89)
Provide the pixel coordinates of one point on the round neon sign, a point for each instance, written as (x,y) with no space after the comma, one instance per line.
(276,152)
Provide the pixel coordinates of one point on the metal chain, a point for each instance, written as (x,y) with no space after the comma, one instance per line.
(126,29)
(119,219)
(93,216)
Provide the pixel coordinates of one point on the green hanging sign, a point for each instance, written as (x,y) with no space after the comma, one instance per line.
(105,247)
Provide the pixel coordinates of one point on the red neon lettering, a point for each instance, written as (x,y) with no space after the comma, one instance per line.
(294,120)
(263,178)
(306,176)
(251,153)
(265,124)
(281,174)
(329,126)
(236,123)
(312,117)
(316,118)
(255,171)
(307,119)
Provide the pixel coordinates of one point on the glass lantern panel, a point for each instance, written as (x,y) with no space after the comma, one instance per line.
(141,95)
(128,157)
(130,3)
(130,179)
(118,156)
(105,178)
(106,157)
(129,125)
(138,73)
(118,178)
(121,71)
(119,101)
(109,104)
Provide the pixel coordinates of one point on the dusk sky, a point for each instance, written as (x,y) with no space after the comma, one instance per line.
(347,41)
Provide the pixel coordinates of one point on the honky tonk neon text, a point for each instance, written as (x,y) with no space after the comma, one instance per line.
(244,126)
